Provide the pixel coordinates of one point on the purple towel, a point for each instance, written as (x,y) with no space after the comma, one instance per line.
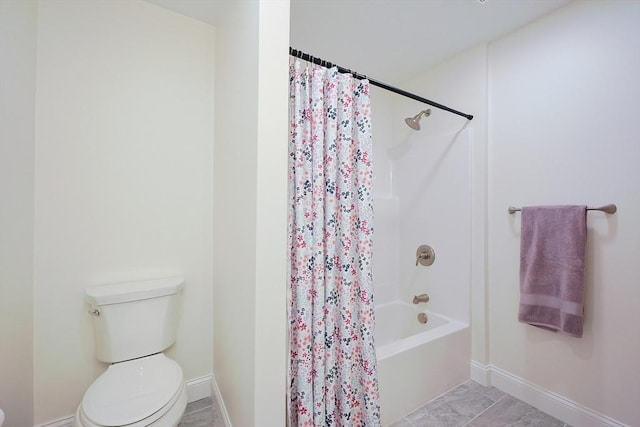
(552,252)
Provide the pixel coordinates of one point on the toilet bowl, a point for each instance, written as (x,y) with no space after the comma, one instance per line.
(144,392)
(134,323)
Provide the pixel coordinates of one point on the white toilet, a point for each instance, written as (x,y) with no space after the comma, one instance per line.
(134,323)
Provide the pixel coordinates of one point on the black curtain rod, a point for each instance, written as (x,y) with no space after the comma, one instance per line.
(323,63)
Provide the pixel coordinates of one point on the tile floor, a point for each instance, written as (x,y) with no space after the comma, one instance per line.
(473,405)
(202,413)
(468,405)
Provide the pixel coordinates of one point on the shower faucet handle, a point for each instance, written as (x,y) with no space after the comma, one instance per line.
(425,255)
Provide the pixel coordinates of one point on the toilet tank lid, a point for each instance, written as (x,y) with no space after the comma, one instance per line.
(133,291)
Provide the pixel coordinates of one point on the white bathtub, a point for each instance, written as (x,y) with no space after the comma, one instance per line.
(417,362)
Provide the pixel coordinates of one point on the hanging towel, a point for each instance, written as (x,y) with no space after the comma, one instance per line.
(552,253)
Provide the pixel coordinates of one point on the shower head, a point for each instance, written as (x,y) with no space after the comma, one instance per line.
(414,122)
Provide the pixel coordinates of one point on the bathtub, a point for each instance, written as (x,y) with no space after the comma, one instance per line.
(417,362)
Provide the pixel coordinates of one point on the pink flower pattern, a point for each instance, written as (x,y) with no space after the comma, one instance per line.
(333,380)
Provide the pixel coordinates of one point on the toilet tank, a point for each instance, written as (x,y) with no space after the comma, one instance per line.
(135,319)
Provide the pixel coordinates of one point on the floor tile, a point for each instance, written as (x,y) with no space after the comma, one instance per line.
(511,412)
(491,392)
(201,418)
(198,404)
(453,409)
(468,405)
(202,413)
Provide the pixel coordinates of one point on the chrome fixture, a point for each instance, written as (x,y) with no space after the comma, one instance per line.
(414,122)
(425,255)
(610,209)
(417,299)
(423,318)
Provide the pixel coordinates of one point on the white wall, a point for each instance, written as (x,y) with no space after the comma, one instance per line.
(563,110)
(250,197)
(17,114)
(123,179)
(271,215)
(234,209)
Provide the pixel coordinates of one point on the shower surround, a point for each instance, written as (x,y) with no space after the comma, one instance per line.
(423,196)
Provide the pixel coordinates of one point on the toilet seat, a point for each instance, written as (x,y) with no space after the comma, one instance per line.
(134,393)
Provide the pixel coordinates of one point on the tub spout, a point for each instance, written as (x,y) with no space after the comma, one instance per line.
(420,298)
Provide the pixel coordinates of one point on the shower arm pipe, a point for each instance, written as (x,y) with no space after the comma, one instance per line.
(323,63)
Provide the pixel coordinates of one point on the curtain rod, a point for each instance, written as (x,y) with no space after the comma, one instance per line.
(327,64)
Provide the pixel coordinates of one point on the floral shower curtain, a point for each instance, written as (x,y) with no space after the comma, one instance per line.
(333,380)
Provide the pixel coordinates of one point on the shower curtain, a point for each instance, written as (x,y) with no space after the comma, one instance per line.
(332,364)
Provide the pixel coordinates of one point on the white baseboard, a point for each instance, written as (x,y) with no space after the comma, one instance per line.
(218,397)
(197,388)
(481,373)
(547,401)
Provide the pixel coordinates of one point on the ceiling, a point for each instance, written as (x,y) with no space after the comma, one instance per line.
(389,40)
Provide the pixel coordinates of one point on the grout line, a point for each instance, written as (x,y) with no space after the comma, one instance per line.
(406,420)
(484,410)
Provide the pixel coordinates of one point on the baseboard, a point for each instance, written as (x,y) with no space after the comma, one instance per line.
(197,388)
(481,373)
(547,401)
(218,397)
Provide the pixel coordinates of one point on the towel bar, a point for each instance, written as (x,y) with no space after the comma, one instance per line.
(610,209)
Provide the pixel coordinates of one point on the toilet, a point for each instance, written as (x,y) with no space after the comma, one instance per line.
(134,323)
